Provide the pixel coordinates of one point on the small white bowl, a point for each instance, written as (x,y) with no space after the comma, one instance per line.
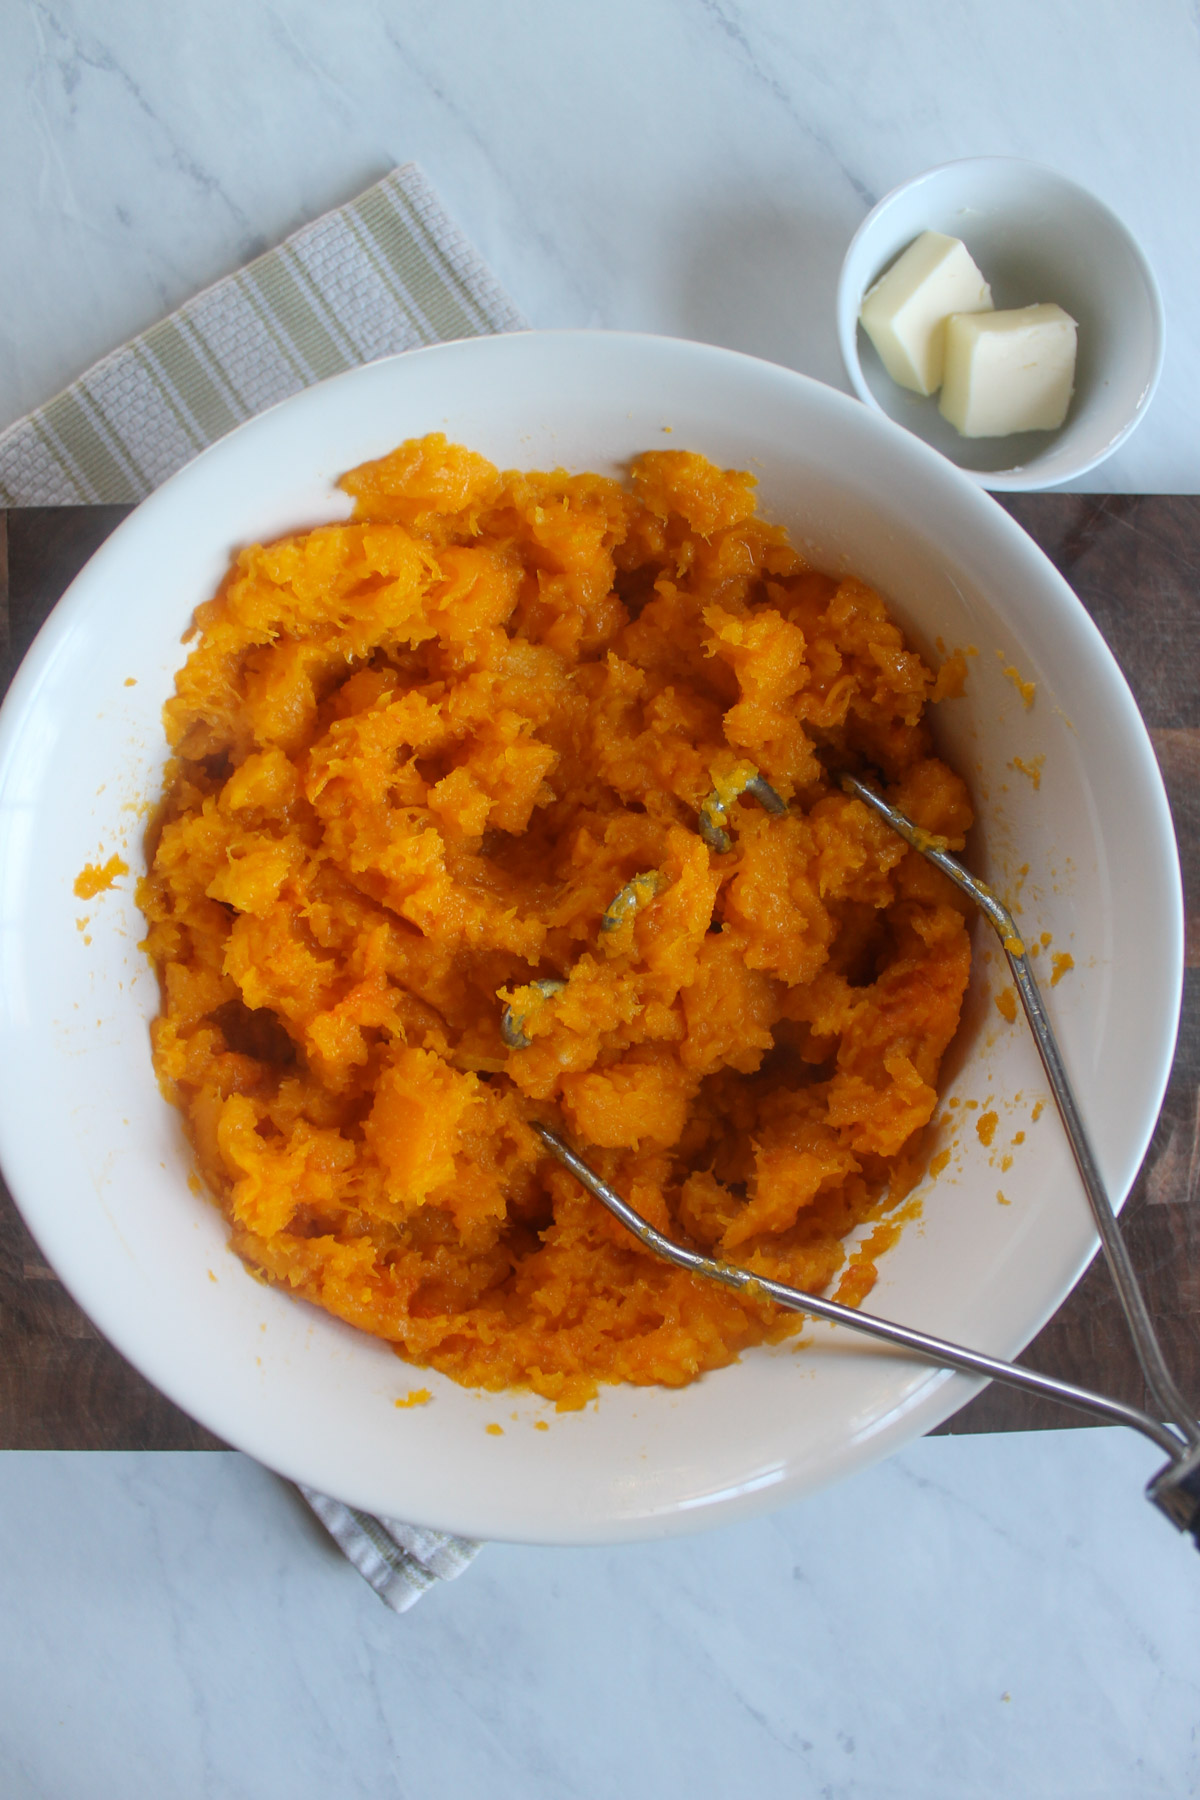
(1036,237)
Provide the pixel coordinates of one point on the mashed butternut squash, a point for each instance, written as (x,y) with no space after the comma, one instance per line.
(467,824)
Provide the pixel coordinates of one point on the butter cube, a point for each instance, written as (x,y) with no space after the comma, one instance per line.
(1008,371)
(905,313)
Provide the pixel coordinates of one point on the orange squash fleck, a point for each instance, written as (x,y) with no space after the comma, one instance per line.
(416,758)
(1061,962)
(96,878)
(1026,689)
(951,678)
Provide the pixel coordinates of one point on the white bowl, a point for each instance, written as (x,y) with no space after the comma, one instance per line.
(98,1161)
(1036,236)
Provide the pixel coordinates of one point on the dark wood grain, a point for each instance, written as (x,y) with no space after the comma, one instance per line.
(62,1386)
(1135,562)
(47,547)
(5,645)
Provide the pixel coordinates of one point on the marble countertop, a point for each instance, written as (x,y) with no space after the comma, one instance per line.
(695,167)
(979,1617)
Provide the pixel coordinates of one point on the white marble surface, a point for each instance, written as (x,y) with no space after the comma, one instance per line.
(979,1617)
(686,166)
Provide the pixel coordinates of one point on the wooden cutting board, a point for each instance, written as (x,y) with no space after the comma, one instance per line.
(1134,561)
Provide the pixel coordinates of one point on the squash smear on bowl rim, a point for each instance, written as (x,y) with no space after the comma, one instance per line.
(428,865)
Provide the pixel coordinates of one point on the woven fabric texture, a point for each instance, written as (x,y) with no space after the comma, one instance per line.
(387,272)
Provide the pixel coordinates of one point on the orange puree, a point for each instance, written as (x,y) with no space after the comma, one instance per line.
(442,769)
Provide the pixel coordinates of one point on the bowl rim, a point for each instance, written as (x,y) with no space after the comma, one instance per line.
(1026,478)
(939,1397)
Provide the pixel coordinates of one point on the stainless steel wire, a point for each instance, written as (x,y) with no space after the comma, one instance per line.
(1176,1488)
(932,1349)
(1159,1380)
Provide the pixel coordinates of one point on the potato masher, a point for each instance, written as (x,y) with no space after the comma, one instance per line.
(1175,1489)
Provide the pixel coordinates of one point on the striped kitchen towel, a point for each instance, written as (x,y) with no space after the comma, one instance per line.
(400,1561)
(387,272)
